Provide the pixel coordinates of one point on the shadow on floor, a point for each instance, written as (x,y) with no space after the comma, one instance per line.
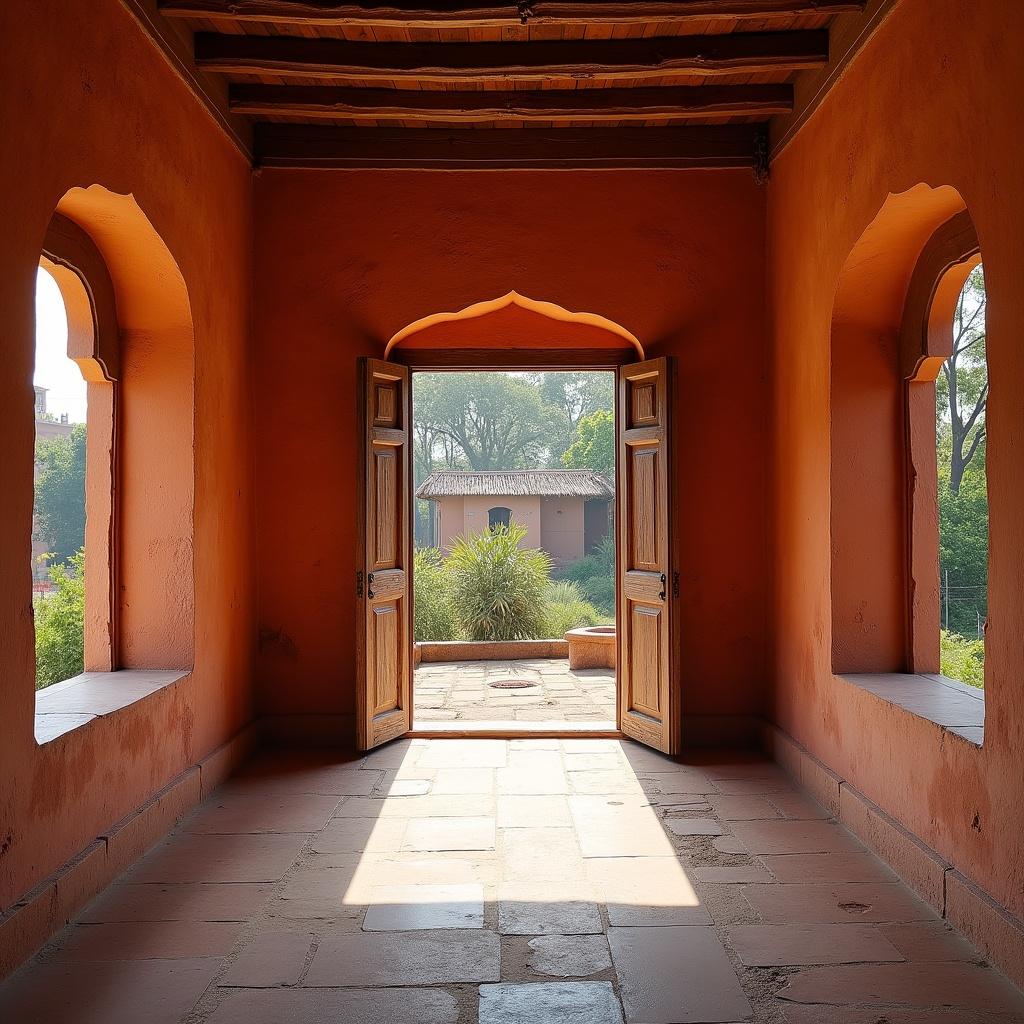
(547,881)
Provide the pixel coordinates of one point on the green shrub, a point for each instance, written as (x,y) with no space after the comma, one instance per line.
(433,613)
(60,624)
(600,592)
(600,562)
(595,575)
(962,658)
(563,592)
(498,588)
(566,608)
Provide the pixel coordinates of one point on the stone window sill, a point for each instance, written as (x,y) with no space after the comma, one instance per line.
(950,704)
(77,701)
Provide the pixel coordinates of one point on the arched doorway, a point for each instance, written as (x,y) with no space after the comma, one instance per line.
(516,334)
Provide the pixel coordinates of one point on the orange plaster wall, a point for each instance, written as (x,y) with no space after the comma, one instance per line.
(868,627)
(87,99)
(344,259)
(933,98)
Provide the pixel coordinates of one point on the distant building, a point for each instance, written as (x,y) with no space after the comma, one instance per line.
(47,428)
(567,512)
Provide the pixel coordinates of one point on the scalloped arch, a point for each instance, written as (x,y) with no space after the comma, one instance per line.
(549,310)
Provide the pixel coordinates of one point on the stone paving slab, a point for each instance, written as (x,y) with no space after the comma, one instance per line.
(569,956)
(350,1006)
(765,945)
(461,691)
(456,879)
(695,980)
(572,1002)
(405,958)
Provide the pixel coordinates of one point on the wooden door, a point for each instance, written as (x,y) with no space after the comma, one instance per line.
(649,705)
(383,566)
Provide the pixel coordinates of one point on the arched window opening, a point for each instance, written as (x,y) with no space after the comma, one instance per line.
(961,400)
(59,508)
(499,516)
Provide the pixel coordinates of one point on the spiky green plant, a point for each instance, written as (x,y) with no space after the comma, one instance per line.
(498,587)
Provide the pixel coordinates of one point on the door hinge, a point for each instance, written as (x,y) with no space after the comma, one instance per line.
(675,584)
(369,586)
(664,580)
(359,583)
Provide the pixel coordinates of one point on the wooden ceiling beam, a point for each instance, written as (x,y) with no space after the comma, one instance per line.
(647,104)
(707,146)
(344,60)
(451,13)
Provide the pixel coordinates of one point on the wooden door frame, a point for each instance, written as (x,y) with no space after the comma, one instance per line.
(512,361)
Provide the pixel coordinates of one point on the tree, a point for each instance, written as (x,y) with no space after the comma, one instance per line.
(963,542)
(60,493)
(594,447)
(571,396)
(961,392)
(961,398)
(60,623)
(491,420)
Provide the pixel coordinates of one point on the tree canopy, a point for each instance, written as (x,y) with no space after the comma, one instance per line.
(60,493)
(961,398)
(961,392)
(493,420)
(594,446)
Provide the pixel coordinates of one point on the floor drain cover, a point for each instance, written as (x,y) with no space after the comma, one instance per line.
(511,684)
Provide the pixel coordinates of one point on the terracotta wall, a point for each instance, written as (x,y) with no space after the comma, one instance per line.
(525,512)
(86,99)
(933,99)
(344,259)
(451,521)
(561,528)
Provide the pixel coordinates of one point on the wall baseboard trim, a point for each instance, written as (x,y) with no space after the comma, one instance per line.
(997,932)
(326,731)
(35,918)
(702,731)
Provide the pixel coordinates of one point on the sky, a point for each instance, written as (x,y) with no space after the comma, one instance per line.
(54,371)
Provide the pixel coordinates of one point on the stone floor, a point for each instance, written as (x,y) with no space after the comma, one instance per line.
(462,692)
(528,881)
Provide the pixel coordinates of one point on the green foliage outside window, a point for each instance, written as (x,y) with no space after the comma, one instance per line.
(594,445)
(60,623)
(961,405)
(963,659)
(60,493)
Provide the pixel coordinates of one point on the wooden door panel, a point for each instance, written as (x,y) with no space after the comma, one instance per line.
(643,405)
(386,501)
(384,676)
(649,704)
(642,474)
(645,658)
(387,639)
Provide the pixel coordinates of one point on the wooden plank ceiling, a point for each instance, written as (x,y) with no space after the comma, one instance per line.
(437,83)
